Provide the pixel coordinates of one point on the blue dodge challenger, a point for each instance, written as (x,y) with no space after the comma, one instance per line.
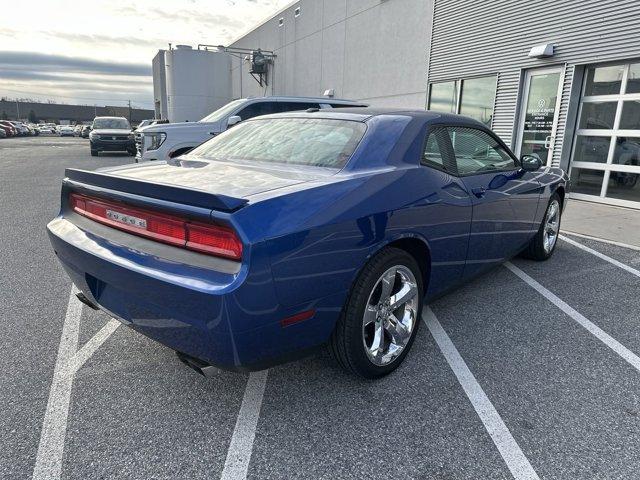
(293,231)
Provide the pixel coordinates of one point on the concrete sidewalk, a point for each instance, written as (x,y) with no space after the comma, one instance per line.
(617,224)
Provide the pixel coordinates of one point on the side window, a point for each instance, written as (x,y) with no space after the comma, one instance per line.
(257,109)
(478,152)
(436,152)
(295,106)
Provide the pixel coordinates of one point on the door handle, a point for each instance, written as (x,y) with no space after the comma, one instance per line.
(548,141)
(479,191)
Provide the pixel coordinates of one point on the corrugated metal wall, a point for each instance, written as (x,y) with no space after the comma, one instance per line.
(472,37)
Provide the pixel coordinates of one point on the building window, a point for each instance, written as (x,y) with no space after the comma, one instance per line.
(296,12)
(473,97)
(444,97)
(477,98)
(604,80)
(606,152)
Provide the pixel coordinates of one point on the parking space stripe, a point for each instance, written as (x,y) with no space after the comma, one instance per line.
(602,240)
(48,464)
(236,465)
(93,344)
(613,261)
(591,327)
(509,449)
(49,457)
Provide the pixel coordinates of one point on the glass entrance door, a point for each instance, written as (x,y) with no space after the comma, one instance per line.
(539,115)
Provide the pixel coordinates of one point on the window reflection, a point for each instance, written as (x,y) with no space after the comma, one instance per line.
(443,97)
(592,149)
(624,186)
(586,181)
(627,151)
(633,82)
(630,119)
(598,115)
(604,80)
(478,96)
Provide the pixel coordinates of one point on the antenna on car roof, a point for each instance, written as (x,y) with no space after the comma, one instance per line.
(312,110)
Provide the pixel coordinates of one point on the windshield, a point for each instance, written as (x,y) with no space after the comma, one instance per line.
(297,141)
(115,123)
(223,112)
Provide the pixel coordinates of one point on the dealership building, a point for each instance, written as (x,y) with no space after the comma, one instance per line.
(560,79)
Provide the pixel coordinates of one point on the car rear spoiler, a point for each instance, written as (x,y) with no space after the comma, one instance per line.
(160,191)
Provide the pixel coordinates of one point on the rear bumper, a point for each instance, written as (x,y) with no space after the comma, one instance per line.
(230,320)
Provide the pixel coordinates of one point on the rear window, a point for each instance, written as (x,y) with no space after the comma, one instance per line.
(296,141)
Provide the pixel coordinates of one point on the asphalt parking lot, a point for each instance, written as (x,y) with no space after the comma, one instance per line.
(530,371)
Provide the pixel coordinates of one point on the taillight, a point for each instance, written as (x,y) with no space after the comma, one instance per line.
(200,237)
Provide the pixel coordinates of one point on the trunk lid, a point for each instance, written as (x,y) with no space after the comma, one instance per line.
(210,184)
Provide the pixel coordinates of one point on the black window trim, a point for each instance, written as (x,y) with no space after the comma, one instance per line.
(431,129)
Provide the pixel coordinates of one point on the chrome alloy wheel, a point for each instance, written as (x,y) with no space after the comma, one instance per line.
(551,226)
(390,315)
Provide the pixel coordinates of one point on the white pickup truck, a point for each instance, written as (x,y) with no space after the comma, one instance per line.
(169,140)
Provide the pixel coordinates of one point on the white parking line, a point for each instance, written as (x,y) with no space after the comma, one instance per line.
(236,465)
(49,457)
(516,461)
(613,261)
(591,327)
(92,345)
(54,426)
(602,240)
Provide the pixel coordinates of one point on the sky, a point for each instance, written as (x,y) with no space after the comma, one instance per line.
(100,52)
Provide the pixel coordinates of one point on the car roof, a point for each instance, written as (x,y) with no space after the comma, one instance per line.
(363,114)
(114,118)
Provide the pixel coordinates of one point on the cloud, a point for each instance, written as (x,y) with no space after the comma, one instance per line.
(101,44)
(44,61)
(96,39)
(74,79)
(191,16)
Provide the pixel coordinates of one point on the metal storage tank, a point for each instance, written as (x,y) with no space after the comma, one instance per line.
(197,81)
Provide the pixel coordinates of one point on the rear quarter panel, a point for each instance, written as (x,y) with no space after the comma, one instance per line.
(325,247)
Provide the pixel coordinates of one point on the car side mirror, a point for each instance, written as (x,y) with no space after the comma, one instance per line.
(530,163)
(233,120)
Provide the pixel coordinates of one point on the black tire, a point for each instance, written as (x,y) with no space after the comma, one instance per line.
(94,153)
(536,248)
(346,344)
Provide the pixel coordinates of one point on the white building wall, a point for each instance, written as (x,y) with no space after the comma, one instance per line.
(197,83)
(159,85)
(370,50)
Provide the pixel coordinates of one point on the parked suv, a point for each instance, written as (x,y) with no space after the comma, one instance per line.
(164,141)
(111,134)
